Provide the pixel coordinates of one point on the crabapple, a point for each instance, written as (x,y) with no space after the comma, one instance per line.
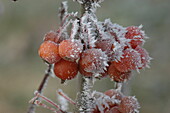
(70,49)
(145,59)
(112,92)
(136,35)
(52,36)
(93,61)
(129,104)
(116,75)
(65,70)
(48,51)
(130,60)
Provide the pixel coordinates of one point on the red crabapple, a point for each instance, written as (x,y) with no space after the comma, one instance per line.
(104,44)
(116,75)
(48,51)
(113,110)
(107,46)
(82,71)
(145,59)
(65,70)
(136,35)
(52,36)
(70,49)
(112,92)
(130,60)
(129,104)
(93,60)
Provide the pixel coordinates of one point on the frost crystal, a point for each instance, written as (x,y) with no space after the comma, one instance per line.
(63,102)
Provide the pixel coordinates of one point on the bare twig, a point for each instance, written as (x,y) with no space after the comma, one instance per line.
(32,107)
(60,92)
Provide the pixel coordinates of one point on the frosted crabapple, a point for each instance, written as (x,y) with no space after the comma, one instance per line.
(112,92)
(113,110)
(70,49)
(104,44)
(130,60)
(107,46)
(93,60)
(145,59)
(107,102)
(129,104)
(52,36)
(116,75)
(96,49)
(136,35)
(48,51)
(65,70)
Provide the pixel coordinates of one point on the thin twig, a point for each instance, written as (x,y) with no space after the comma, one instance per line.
(49,101)
(32,107)
(66,97)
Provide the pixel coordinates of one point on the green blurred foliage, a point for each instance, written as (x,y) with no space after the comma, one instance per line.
(24,23)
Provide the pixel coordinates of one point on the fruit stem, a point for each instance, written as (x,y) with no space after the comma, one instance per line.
(41,87)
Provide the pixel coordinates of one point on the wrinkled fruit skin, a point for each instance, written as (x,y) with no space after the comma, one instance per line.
(48,51)
(65,70)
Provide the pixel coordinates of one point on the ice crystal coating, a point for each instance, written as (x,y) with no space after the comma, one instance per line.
(131,60)
(93,60)
(70,49)
(63,102)
(129,105)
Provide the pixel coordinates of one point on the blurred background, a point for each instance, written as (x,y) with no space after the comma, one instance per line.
(24,23)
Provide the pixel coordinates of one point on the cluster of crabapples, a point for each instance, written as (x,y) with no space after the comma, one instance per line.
(116,55)
(113,101)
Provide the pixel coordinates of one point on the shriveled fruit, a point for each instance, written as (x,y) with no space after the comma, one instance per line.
(136,35)
(116,75)
(130,60)
(48,51)
(70,49)
(65,70)
(129,104)
(93,60)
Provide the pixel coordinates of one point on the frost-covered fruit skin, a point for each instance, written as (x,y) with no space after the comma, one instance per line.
(145,59)
(48,51)
(107,46)
(51,36)
(93,60)
(65,70)
(129,104)
(104,44)
(82,71)
(116,75)
(89,74)
(113,110)
(70,49)
(130,60)
(112,92)
(136,35)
